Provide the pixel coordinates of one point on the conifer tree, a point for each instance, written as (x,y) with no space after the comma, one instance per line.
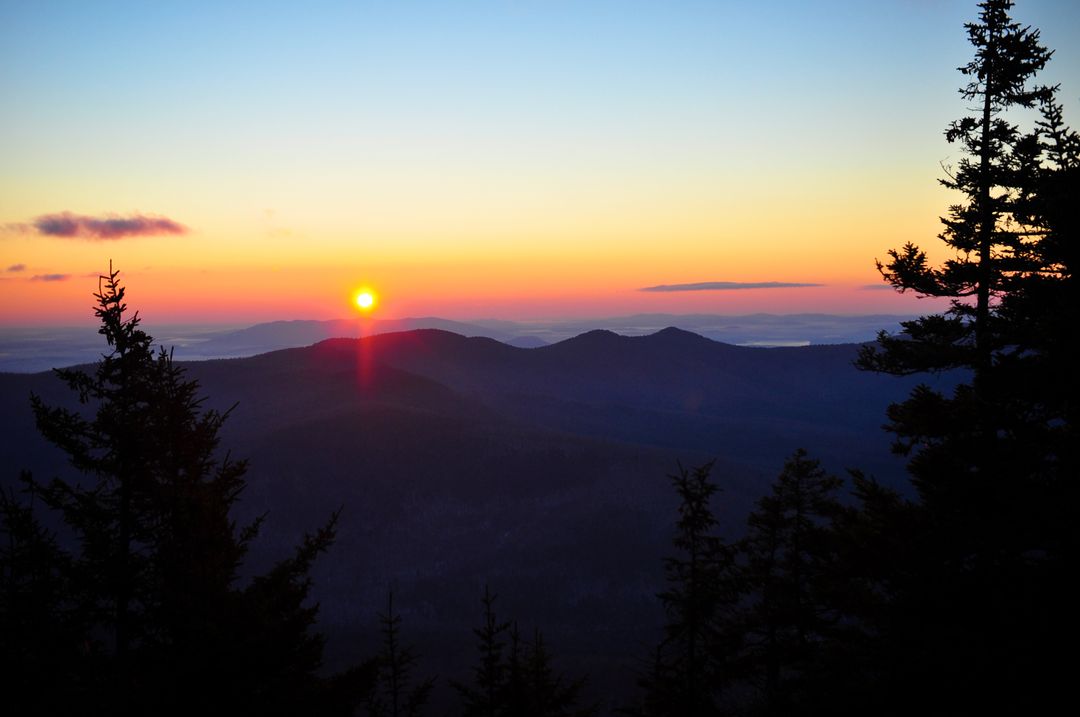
(41,635)
(689,668)
(516,678)
(1008,263)
(547,693)
(271,635)
(786,556)
(152,584)
(485,696)
(394,694)
(995,462)
(990,248)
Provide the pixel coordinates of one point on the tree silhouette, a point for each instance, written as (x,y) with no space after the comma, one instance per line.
(164,628)
(689,666)
(485,696)
(990,249)
(41,635)
(540,691)
(977,607)
(516,678)
(786,557)
(394,694)
(1010,284)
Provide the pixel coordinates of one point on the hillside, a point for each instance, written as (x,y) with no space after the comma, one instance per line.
(460,461)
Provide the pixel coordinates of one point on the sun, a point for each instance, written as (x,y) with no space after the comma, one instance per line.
(365,299)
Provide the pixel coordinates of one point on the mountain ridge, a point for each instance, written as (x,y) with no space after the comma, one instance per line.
(544,472)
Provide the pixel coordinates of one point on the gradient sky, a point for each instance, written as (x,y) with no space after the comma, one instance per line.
(516,159)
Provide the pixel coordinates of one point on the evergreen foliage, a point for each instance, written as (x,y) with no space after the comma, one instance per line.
(789,611)
(394,694)
(992,249)
(516,678)
(484,697)
(977,607)
(537,689)
(149,590)
(42,637)
(690,665)
(1012,290)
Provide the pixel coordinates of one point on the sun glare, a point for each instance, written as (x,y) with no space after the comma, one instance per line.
(365,300)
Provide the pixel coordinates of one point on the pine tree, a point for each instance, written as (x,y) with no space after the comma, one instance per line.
(981,608)
(786,555)
(394,694)
(990,248)
(41,635)
(485,697)
(1043,308)
(516,678)
(964,445)
(688,671)
(547,693)
(152,584)
(269,632)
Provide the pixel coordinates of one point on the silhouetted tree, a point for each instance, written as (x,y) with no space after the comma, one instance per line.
(546,693)
(271,636)
(1010,284)
(152,584)
(869,650)
(41,634)
(394,694)
(787,556)
(688,670)
(990,249)
(977,606)
(516,678)
(484,697)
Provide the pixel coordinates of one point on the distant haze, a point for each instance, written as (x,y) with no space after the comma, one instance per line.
(26,350)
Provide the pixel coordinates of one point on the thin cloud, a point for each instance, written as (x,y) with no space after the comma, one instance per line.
(112,226)
(50,277)
(16,228)
(15,268)
(877,287)
(728,286)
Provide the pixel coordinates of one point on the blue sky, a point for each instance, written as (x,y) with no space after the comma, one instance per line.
(394,142)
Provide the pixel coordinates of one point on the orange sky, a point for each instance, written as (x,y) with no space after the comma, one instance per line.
(506,160)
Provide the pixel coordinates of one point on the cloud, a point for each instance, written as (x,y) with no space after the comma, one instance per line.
(50,277)
(16,268)
(112,226)
(727,286)
(877,287)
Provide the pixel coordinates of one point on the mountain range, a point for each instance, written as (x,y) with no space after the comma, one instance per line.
(28,350)
(460,462)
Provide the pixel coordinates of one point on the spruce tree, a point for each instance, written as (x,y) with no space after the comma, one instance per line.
(990,249)
(546,692)
(969,447)
(485,696)
(980,609)
(394,694)
(41,633)
(151,579)
(786,556)
(516,677)
(689,667)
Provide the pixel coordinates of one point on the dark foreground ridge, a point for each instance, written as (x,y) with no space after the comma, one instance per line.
(464,461)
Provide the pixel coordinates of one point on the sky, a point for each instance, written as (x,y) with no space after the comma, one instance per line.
(517,159)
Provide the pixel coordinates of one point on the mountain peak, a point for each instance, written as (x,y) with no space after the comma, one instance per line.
(673,336)
(674,331)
